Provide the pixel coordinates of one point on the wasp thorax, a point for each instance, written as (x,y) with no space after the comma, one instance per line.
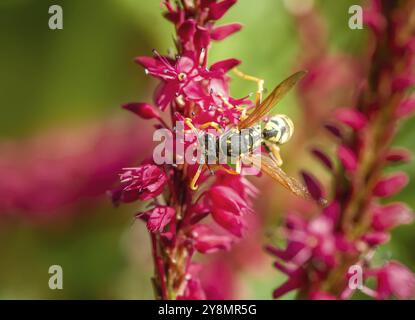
(181,76)
(278,129)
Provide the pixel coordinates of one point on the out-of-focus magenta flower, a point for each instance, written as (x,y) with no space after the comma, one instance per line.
(393,279)
(51,174)
(350,229)
(307,241)
(143,183)
(208,241)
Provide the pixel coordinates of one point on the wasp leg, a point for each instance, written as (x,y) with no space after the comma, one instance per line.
(193,185)
(276,154)
(225,101)
(212,124)
(260,84)
(219,167)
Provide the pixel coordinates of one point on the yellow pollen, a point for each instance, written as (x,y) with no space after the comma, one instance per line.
(181,76)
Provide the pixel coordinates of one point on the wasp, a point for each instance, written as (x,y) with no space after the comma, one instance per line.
(239,142)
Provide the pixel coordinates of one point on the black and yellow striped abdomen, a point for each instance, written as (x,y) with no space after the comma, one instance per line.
(278,129)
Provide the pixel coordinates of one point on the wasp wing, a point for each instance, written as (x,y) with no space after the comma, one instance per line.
(270,167)
(273,98)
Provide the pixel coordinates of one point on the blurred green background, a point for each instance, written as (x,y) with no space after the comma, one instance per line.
(80,75)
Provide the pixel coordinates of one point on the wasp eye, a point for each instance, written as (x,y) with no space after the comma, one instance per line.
(181,76)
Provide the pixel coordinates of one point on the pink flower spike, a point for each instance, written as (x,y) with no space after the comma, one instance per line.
(406,108)
(143,110)
(313,185)
(222,32)
(158,217)
(399,155)
(347,157)
(390,185)
(352,118)
(225,65)
(207,241)
(218,9)
(391,216)
(324,158)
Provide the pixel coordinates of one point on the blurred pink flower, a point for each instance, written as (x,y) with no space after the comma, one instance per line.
(321,247)
(49,173)
(393,279)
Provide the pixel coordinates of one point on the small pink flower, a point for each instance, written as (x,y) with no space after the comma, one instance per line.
(394,279)
(143,183)
(181,78)
(158,217)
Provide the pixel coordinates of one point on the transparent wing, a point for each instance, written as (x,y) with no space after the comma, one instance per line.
(273,98)
(269,166)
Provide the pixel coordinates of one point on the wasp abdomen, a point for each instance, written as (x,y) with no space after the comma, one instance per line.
(278,129)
